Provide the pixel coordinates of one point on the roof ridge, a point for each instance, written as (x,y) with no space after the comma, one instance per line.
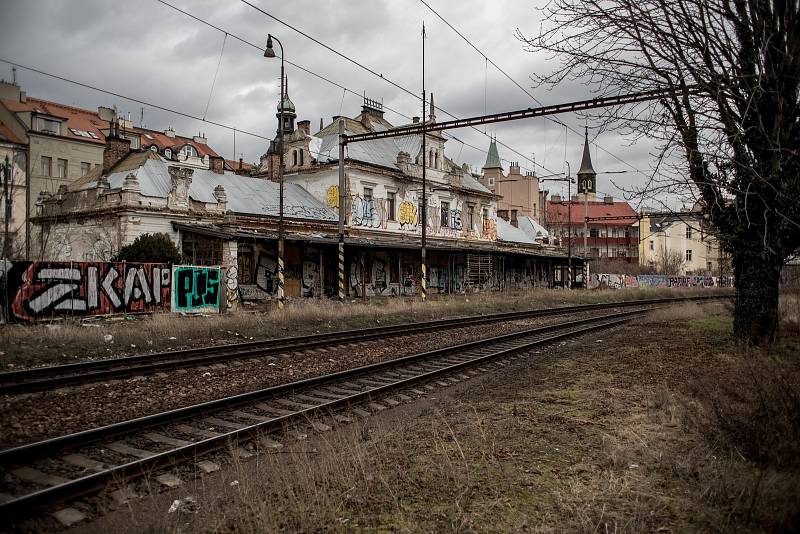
(65,106)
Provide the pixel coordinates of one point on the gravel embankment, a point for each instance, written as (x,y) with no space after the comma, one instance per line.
(42,415)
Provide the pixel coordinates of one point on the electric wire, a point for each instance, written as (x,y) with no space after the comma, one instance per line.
(504,73)
(346,89)
(369,70)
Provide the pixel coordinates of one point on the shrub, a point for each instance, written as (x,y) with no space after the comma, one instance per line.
(154,248)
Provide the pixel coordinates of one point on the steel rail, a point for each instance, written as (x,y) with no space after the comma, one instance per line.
(90,483)
(48,377)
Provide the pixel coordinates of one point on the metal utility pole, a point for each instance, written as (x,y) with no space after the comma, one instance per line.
(424,208)
(270,53)
(585,224)
(7,215)
(569,228)
(341,210)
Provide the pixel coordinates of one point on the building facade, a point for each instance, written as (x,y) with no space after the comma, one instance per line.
(682,243)
(64,143)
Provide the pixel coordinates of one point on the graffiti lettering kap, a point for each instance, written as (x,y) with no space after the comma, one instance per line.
(49,289)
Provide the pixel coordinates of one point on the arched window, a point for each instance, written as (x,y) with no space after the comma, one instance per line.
(168,153)
(154,148)
(188,150)
(294,157)
(436,159)
(301,158)
(430,158)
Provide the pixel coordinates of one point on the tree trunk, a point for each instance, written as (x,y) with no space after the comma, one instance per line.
(757,285)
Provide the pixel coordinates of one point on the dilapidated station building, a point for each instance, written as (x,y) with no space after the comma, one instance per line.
(219,216)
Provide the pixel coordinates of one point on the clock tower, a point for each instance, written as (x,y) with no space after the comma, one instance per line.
(587,177)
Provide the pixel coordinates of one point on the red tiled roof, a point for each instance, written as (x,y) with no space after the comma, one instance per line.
(6,134)
(557,212)
(75,118)
(233,164)
(162,141)
(89,121)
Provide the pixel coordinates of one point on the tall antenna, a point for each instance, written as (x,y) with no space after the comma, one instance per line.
(14,74)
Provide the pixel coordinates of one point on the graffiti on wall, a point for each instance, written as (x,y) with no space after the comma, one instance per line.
(367,212)
(332,196)
(267,273)
(42,290)
(195,288)
(490,229)
(622,281)
(407,215)
(231,286)
(312,284)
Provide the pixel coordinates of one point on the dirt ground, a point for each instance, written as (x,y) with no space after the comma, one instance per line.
(661,425)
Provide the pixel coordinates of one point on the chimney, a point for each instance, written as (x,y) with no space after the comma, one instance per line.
(200,139)
(555,198)
(320,124)
(305,127)
(608,200)
(241,164)
(403,161)
(221,196)
(216,164)
(514,168)
(106,114)
(414,120)
(169,132)
(116,148)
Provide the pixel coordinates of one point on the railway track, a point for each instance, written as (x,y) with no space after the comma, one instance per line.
(50,377)
(67,467)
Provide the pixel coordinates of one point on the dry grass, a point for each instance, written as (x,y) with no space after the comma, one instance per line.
(659,427)
(69,340)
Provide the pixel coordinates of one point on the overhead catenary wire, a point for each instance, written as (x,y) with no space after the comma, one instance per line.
(130,98)
(367,69)
(345,89)
(504,73)
(214,80)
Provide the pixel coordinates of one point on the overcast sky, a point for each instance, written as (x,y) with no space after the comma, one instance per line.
(148,51)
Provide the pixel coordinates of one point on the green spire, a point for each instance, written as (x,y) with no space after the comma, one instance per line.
(492,158)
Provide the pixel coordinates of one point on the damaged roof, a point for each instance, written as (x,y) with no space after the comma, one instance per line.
(381,152)
(245,195)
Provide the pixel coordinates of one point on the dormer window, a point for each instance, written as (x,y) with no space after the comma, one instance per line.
(154,148)
(188,150)
(168,153)
(50,126)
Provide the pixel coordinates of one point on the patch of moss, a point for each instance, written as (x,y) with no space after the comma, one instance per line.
(715,324)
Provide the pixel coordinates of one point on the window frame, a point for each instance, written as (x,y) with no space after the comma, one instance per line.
(62,171)
(444,212)
(49,169)
(86,168)
(391,201)
(688,254)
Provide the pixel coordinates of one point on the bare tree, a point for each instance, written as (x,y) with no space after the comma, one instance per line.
(735,69)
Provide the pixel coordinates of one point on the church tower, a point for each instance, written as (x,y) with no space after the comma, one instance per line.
(289,112)
(492,169)
(587,177)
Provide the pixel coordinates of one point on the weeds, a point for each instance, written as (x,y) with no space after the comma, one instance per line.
(68,340)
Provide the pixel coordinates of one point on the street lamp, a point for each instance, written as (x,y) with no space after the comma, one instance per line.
(567,179)
(270,53)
